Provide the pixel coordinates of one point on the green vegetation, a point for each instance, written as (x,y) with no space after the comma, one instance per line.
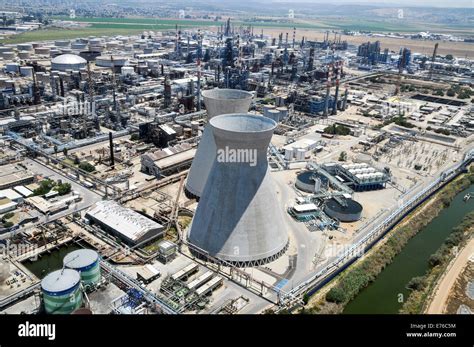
(108,26)
(7,224)
(442,131)
(362,273)
(438,263)
(343,156)
(401,121)
(337,130)
(438,92)
(63,188)
(7,215)
(45,187)
(88,167)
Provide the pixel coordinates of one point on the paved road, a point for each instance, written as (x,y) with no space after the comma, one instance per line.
(444,287)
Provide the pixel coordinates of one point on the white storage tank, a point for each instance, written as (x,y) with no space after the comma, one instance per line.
(24,54)
(127,70)
(62,292)
(283,112)
(12,67)
(7,55)
(26,71)
(288,154)
(86,262)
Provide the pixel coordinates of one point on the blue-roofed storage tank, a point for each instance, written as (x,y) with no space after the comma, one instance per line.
(61,291)
(343,209)
(86,262)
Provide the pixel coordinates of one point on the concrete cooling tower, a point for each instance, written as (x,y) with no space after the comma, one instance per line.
(238,218)
(217,101)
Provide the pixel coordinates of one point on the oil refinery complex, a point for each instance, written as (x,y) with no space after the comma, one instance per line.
(219,171)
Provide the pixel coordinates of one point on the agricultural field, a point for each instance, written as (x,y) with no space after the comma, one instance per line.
(108,26)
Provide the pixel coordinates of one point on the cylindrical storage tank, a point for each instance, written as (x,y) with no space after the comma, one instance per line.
(178,128)
(68,62)
(26,71)
(78,45)
(95,42)
(86,261)
(306,181)
(300,154)
(24,47)
(342,209)
(62,292)
(12,67)
(127,70)
(42,50)
(194,127)
(61,43)
(273,114)
(7,55)
(283,112)
(267,108)
(289,153)
(24,54)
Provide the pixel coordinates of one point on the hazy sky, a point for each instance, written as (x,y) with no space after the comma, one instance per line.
(434,3)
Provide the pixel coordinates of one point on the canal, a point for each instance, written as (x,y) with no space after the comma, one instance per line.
(382,295)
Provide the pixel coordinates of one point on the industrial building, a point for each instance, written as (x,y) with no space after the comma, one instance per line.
(128,225)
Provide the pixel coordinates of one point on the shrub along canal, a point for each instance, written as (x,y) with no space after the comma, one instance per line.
(384,295)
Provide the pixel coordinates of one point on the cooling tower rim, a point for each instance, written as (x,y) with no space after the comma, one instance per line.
(235,123)
(226,94)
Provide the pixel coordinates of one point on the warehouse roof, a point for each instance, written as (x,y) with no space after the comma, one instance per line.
(123,220)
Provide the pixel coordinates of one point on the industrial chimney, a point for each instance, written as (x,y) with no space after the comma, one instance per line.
(111,145)
(238,219)
(217,101)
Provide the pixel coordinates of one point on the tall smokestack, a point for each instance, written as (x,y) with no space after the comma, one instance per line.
(328,90)
(336,97)
(344,103)
(112,159)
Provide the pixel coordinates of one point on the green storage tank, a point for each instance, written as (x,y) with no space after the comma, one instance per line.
(86,261)
(62,292)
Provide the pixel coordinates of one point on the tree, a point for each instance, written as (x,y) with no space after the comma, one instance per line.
(336,295)
(435,259)
(63,188)
(55,150)
(416,283)
(343,156)
(65,151)
(449,56)
(86,166)
(76,161)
